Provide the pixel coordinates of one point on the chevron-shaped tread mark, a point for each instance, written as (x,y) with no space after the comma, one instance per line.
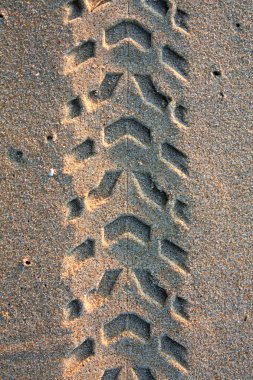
(108,281)
(175,255)
(159,6)
(150,287)
(84,150)
(129,128)
(85,350)
(106,88)
(180,308)
(128,30)
(82,52)
(175,157)
(175,61)
(104,189)
(75,208)
(181,211)
(111,374)
(125,225)
(143,373)
(76,8)
(149,188)
(85,250)
(75,107)
(175,352)
(150,93)
(181,19)
(75,309)
(127,325)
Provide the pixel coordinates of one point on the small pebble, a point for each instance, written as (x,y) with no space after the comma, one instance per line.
(51,173)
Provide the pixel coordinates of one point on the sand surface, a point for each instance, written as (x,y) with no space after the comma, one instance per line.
(126,164)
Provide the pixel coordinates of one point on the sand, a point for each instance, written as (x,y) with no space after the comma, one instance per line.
(125,190)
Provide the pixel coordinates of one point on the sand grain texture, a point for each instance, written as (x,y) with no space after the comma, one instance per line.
(126,134)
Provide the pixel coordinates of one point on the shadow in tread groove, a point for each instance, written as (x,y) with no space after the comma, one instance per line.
(127,325)
(85,150)
(111,374)
(175,60)
(82,52)
(76,8)
(108,281)
(175,157)
(125,127)
(180,306)
(75,107)
(150,286)
(127,224)
(180,113)
(143,373)
(174,254)
(131,30)
(181,211)
(174,350)
(106,88)
(75,309)
(150,93)
(85,350)
(149,188)
(76,207)
(181,19)
(105,187)
(85,250)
